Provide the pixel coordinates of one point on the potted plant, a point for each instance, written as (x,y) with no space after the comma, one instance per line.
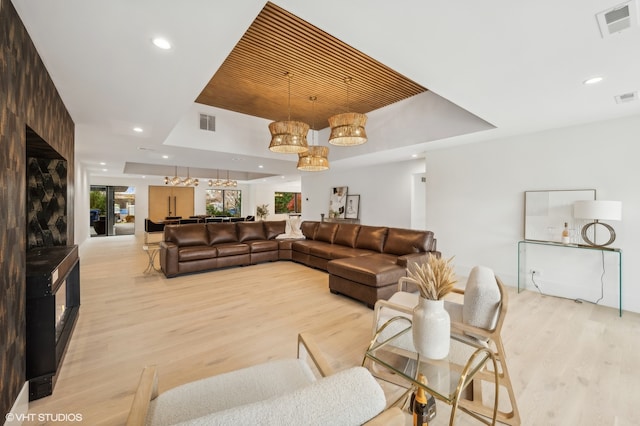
(431,327)
(262,211)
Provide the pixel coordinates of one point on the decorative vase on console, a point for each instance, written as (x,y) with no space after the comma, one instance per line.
(431,322)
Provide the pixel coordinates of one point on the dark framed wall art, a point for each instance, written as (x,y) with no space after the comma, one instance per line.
(352,207)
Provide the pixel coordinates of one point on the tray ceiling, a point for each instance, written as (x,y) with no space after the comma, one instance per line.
(252,80)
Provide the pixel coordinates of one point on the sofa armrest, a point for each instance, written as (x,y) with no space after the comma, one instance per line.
(169,258)
(146,391)
(405,259)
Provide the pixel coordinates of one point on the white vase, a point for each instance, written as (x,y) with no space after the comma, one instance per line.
(431,329)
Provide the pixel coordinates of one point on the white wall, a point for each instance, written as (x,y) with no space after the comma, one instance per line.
(81,206)
(264,193)
(385,192)
(475,200)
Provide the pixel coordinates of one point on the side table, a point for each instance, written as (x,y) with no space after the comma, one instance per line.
(152,252)
(388,359)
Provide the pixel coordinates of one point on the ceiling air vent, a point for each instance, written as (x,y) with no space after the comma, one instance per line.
(627,97)
(620,18)
(207,122)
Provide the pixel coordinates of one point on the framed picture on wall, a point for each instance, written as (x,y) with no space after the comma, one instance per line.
(337,202)
(353,207)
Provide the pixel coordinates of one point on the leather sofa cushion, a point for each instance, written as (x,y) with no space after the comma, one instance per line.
(326,232)
(189,253)
(339,252)
(248,231)
(321,250)
(405,241)
(262,246)
(285,244)
(308,229)
(347,234)
(304,246)
(371,238)
(232,249)
(193,234)
(273,228)
(376,270)
(222,233)
(334,251)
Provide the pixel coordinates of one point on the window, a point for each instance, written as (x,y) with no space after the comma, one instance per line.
(288,202)
(224,202)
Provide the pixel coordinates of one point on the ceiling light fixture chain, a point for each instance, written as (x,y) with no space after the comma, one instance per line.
(313,100)
(289,77)
(347,81)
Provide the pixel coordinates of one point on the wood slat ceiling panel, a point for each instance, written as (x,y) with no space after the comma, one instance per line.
(252,79)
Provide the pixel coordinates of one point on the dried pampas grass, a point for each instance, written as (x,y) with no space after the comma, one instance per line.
(434,278)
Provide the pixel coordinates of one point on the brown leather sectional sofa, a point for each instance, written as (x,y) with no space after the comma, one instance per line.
(198,247)
(364,262)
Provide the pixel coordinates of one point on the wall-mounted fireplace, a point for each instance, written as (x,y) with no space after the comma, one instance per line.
(53,303)
(52,267)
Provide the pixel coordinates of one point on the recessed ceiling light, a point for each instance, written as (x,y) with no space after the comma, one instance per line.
(414,155)
(592,80)
(105,170)
(162,43)
(261,166)
(137,129)
(165,156)
(102,163)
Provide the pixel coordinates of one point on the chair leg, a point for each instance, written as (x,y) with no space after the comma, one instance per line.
(512,417)
(473,401)
(473,398)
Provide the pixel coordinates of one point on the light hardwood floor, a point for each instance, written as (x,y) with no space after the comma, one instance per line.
(572,364)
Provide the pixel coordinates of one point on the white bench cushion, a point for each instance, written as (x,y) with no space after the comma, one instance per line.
(348,398)
(237,388)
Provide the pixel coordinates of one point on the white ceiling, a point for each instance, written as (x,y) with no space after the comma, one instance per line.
(517,65)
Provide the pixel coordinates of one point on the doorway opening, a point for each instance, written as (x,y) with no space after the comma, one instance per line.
(112,210)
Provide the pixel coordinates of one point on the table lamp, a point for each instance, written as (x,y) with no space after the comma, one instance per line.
(598,210)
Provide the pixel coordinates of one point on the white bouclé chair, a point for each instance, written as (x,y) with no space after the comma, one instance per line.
(282,392)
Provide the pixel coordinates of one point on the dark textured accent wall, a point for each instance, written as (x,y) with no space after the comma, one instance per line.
(46,202)
(28,97)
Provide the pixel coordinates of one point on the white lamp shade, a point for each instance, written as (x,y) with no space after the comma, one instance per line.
(598,209)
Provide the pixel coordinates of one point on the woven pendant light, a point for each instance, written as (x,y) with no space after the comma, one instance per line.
(315,159)
(288,137)
(347,129)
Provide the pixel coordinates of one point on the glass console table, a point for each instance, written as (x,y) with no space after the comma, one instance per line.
(522,274)
(390,359)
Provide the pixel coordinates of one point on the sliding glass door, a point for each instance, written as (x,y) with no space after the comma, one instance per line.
(112,210)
